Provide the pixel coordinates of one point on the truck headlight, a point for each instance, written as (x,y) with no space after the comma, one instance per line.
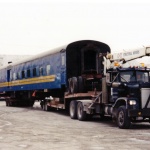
(132,102)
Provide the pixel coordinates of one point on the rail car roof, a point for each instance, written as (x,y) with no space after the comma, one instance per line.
(75,44)
(89,43)
(34,57)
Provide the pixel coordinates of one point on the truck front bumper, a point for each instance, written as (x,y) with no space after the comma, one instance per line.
(139,113)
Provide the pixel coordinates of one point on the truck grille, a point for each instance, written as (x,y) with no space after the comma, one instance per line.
(145,97)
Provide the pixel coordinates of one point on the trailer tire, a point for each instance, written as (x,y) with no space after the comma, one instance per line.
(80,84)
(123,120)
(73,109)
(81,114)
(73,85)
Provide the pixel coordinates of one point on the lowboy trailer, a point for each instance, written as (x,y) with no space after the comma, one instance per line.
(84,78)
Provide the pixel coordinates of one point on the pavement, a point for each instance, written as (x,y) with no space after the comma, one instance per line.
(34,129)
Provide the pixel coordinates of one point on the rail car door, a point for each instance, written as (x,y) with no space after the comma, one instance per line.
(8,77)
(63,67)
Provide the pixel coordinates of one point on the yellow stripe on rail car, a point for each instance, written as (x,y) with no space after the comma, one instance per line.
(35,80)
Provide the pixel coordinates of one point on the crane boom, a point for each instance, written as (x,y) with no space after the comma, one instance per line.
(131,55)
(123,57)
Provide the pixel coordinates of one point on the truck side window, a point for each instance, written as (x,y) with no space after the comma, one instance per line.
(142,76)
(114,77)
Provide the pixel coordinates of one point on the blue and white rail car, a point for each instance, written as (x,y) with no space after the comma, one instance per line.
(38,72)
(50,72)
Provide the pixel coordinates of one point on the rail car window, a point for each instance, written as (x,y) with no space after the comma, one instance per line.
(28,73)
(0,78)
(14,76)
(41,71)
(18,75)
(34,72)
(48,69)
(23,74)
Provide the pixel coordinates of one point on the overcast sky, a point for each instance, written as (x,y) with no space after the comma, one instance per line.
(34,26)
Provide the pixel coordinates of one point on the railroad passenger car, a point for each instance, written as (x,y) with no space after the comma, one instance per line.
(62,72)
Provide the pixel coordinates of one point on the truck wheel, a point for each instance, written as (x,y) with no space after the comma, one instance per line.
(123,120)
(73,109)
(81,114)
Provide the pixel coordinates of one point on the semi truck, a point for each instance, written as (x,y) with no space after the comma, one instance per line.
(124,92)
(83,78)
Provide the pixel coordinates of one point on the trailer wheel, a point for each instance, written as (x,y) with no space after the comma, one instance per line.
(123,120)
(81,114)
(73,109)
(80,84)
(73,85)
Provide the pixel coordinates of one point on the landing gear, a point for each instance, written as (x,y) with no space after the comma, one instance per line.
(44,106)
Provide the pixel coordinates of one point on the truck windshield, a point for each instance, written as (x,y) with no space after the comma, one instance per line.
(132,76)
(127,76)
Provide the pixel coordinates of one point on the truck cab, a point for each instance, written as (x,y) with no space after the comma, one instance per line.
(129,94)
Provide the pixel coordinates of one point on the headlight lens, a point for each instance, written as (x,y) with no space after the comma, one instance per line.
(132,102)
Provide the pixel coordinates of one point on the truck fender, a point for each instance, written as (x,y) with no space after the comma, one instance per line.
(86,103)
(122,101)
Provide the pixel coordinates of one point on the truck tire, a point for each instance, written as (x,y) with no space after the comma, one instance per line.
(81,114)
(123,120)
(73,109)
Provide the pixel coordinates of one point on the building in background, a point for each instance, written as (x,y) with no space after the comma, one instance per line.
(4,59)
